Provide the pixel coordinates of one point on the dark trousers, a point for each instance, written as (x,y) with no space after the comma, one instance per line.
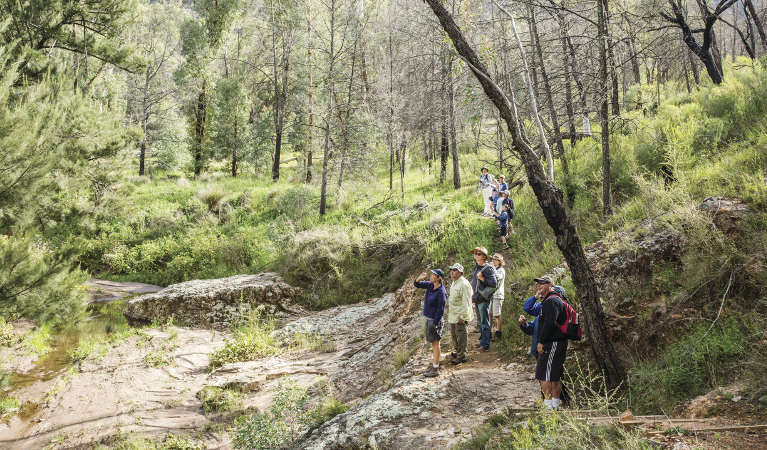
(460,335)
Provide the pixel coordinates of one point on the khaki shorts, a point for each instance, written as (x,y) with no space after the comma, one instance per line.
(496,306)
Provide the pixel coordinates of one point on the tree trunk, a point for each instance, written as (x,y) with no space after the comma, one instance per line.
(310,95)
(453,140)
(547,90)
(390,135)
(694,67)
(234,151)
(611,60)
(568,89)
(749,5)
(403,149)
(329,113)
(581,91)
(550,200)
(603,112)
(533,102)
(199,129)
(347,118)
(445,143)
(142,155)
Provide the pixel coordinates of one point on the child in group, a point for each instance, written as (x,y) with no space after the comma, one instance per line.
(505,201)
(494,200)
(502,220)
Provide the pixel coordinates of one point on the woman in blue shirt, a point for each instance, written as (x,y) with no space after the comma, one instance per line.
(433,309)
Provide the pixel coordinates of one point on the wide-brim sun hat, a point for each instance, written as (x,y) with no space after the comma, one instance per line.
(482,250)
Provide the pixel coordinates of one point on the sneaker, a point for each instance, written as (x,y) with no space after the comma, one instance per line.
(432,372)
(498,335)
(485,349)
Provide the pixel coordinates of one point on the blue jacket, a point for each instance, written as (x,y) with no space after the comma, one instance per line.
(503,186)
(534,309)
(434,300)
(503,219)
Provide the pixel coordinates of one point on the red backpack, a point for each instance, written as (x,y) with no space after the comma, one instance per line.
(571,326)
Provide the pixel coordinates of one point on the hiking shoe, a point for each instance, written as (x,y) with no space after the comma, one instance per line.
(498,335)
(432,372)
(484,349)
(456,361)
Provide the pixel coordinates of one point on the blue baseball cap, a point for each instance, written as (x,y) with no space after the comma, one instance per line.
(438,272)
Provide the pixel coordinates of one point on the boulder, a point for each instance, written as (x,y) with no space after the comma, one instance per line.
(216,303)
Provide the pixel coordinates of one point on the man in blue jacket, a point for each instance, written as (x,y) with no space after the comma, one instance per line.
(433,309)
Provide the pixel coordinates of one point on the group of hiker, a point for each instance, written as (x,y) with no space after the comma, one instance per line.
(482,295)
(497,203)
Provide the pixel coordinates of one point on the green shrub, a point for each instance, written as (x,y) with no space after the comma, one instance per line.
(218,400)
(688,367)
(250,341)
(280,425)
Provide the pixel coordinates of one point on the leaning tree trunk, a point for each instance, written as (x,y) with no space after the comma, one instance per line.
(550,200)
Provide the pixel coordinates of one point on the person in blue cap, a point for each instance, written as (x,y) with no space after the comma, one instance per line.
(433,309)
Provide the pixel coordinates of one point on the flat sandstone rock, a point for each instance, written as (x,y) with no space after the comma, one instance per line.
(215,303)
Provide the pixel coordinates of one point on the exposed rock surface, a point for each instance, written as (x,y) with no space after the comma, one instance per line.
(101,291)
(214,303)
(417,412)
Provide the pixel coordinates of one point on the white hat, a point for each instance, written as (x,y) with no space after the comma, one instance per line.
(457,266)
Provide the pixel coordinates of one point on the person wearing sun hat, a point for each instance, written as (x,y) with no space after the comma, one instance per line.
(483,283)
(433,309)
(485,189)
(459,312)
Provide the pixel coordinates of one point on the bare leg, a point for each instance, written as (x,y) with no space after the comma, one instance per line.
(435,350)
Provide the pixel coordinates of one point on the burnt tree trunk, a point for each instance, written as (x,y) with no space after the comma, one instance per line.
(550,200)
(603,112)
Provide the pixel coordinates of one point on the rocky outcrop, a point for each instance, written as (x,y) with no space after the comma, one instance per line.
(418,412)
(214,303)
(726,213)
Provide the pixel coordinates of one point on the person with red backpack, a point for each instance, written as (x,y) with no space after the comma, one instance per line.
(558,322)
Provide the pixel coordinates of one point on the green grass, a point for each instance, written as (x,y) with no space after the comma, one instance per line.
(546,430)
(8,406)
(691,366)
(250,341)
(136,441)
(219,400)
(38,341)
